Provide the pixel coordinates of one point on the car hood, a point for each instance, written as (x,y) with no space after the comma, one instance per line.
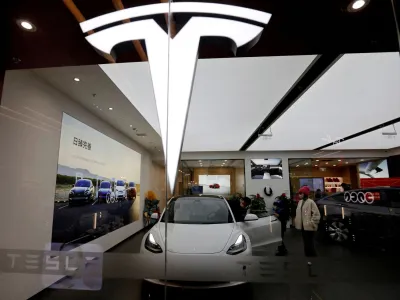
(104,190)
(79,189)
(196,239)
(120,188)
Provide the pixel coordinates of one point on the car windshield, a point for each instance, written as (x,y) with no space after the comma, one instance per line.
(131,184)
(120,183)
(198,210)
(105,185)
(82,183)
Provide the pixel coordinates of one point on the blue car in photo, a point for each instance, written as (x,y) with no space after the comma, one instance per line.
(82,192)
(105,193)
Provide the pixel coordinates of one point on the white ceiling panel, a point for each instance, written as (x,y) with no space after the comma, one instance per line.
(379,139)
(230,97)
(358,92)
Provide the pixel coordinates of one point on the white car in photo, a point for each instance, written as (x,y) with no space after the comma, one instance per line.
(205,226)
(120,190)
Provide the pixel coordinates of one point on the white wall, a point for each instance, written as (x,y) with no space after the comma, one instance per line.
(279,186)
(30,126)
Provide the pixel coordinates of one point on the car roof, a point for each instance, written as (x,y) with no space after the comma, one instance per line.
(83,180)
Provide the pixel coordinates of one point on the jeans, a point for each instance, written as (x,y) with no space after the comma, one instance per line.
(308,241)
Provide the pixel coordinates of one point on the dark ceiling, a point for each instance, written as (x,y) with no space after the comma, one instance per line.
(296,27)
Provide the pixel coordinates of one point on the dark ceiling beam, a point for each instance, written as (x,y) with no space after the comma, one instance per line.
(315,70)
(118,5)
(385,124)
(80,18)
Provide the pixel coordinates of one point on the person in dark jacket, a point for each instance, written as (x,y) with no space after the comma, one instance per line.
(240,208)
(282,207)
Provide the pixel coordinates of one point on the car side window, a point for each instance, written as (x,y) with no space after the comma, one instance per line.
(260,213)
(338,197)
(393,197)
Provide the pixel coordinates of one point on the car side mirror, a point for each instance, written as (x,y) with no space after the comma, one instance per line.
(73,185)
(154,216)
(250,217)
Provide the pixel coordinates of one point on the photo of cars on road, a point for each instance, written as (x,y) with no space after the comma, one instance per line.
(192,220)
(91,194)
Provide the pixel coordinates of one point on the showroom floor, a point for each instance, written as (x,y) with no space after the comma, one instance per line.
(337,273)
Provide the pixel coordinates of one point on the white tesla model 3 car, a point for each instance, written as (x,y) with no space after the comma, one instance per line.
(205,225)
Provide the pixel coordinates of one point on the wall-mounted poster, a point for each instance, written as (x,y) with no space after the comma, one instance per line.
(374,169)
(268,168)
(215,184)
(97,186)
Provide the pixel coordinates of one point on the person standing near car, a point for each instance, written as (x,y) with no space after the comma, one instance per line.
(307,219)
(282,212)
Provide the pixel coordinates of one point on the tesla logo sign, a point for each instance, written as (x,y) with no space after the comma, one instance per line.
(173,61)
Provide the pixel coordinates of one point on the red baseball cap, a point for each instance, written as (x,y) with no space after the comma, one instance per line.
(305,190)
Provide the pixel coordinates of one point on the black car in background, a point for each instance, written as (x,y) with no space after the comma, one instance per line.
(362,217)
(82,192)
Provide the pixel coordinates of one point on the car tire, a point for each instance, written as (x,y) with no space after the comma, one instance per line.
(338,231)
(108,198)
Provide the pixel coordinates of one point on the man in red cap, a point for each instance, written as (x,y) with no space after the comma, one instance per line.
(307,219)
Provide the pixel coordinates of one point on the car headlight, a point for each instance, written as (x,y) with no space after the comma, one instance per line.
(71,192)
(87,192)
(152,245)
(239,246)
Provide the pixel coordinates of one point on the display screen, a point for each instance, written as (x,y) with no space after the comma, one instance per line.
(374,169)
(215,184)
(268,168)
(313,183)
(92,197)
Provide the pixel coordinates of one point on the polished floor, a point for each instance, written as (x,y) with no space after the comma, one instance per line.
(337,273)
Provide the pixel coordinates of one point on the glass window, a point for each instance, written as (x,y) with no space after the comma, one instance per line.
(83,183)
(120,183)
(105,185)
(198,210)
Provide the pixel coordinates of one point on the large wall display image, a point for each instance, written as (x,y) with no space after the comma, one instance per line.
(215,184)
(268,168)
(98,182)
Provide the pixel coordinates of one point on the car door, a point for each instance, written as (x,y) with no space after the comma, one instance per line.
(393,199)
(370,216)
(266,230)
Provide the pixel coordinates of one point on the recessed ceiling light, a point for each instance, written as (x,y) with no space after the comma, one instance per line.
(357,5)
(326,163)
(26,25)
(316,165)
(100,109)
(334,165)
(361,160)
(199,160)
(77,79)
(110,108)
(131,126)
(317,160)
(306,163)
(297,166)
(339,160)
(347,162)
(226,160)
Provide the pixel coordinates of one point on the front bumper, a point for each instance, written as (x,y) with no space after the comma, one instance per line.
(78,198)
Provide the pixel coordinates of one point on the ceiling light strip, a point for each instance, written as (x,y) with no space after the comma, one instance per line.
(180,7)
(377,127)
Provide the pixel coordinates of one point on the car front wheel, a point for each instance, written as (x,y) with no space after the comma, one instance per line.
(338,231)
